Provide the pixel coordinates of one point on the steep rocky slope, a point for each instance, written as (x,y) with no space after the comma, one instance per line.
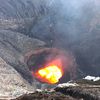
(14,46)
(14,74)
(11,82)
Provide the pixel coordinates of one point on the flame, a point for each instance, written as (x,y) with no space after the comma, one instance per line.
(50,74)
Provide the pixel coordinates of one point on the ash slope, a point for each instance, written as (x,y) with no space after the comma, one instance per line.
(11,83)
(14,74)
(14,46)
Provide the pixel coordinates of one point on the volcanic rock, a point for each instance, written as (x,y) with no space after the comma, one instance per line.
(44,96)
(82,90)
(11,82)
(67,91)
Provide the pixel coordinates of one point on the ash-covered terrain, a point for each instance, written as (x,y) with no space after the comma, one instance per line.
(28,25)
(80,90)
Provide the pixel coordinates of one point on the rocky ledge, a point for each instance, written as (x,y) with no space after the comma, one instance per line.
(66,91)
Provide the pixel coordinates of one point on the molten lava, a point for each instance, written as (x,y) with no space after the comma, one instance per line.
(51,73)
(47,64)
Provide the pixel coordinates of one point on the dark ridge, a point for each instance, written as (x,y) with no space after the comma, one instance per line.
(44,96)
(77,92)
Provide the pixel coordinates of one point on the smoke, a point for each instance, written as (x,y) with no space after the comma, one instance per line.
(63,21)
(64,24)
(70,24)
(67,24)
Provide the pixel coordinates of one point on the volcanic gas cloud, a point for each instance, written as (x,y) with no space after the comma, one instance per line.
(48,65)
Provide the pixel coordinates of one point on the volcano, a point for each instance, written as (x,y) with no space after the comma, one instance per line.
(47,65)
(30,30)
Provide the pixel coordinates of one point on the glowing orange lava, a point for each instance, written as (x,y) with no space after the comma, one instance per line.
(50,74)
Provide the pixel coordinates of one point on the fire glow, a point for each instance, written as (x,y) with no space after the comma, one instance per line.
(51,73)
(48,65)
